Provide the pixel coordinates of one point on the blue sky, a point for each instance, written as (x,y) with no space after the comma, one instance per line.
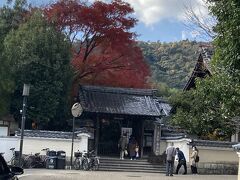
(159,20)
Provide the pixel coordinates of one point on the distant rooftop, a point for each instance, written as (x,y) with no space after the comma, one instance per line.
(202,67)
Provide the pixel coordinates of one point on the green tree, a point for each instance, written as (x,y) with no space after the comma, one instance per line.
(213,109)
(11,15)
(203,111)
(227,42)
(40,55)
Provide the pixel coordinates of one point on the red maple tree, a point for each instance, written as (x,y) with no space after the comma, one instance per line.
(104,50)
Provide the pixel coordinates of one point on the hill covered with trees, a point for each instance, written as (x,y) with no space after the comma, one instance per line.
(171,63)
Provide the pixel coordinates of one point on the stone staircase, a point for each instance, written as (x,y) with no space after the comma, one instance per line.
(127,165)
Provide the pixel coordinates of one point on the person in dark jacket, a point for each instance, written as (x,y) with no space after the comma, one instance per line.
(181,161)
(132,147)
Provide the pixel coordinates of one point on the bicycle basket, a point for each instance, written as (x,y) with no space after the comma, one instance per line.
(77,154)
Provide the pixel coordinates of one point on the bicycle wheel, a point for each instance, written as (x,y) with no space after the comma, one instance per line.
(77,164)
(28,162)
(85,165)
(15,162)
(96,164)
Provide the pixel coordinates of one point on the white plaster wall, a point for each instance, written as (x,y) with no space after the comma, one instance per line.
(3,131)
(6,143)
(182,144)
(216,155)
(35,145)
(206,154)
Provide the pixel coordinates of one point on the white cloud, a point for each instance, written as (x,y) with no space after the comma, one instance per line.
(152,11)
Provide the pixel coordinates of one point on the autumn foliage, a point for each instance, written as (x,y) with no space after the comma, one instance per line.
(104,50)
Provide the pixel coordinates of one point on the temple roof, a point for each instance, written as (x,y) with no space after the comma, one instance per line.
(126,101)
(202,67)
(208,143)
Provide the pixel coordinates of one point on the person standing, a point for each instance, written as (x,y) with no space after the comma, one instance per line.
(181,161)
(137,152)
(193,162)
(170,152)
(122,144)
(132,147)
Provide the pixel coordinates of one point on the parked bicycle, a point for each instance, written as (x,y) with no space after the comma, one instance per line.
(36,160)
(81,160)
(86,161)
(93,161)
(15,158)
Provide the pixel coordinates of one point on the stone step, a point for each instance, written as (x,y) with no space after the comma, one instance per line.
(130,164)
(139,161)
(127,165)
(133,170)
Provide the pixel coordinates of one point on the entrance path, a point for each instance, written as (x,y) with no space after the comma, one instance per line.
(39,174)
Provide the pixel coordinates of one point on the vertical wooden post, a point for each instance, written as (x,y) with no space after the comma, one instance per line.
(142,136)
(157,138)
(97,135)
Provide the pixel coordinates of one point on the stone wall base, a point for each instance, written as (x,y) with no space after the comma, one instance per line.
(215,168)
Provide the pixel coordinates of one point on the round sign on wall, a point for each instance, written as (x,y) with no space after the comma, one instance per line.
(77,110)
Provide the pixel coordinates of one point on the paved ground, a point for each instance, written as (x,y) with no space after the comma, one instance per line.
(44,174)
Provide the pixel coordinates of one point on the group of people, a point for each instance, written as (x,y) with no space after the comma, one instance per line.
(171,152)
(128,147)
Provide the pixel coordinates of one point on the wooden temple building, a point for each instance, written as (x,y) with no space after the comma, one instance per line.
(109,112)
(202,67)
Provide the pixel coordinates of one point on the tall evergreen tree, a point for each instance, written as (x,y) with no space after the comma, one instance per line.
(40,55)
(11,16)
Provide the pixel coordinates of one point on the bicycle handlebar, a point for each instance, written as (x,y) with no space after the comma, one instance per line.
(45,149)
(12,149)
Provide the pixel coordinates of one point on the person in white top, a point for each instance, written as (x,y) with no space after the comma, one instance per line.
(193,162)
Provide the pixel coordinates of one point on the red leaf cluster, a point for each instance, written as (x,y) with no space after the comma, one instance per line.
(104,50)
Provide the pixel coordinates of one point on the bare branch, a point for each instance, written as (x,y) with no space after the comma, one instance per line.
(199,22)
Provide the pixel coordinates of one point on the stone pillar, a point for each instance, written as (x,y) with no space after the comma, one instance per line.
(156,138)
(238,153)
(233,138)
(237,134)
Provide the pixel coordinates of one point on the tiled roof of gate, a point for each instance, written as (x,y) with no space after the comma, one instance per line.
(127,101)
(49,134)
(208,143)
(171,133)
